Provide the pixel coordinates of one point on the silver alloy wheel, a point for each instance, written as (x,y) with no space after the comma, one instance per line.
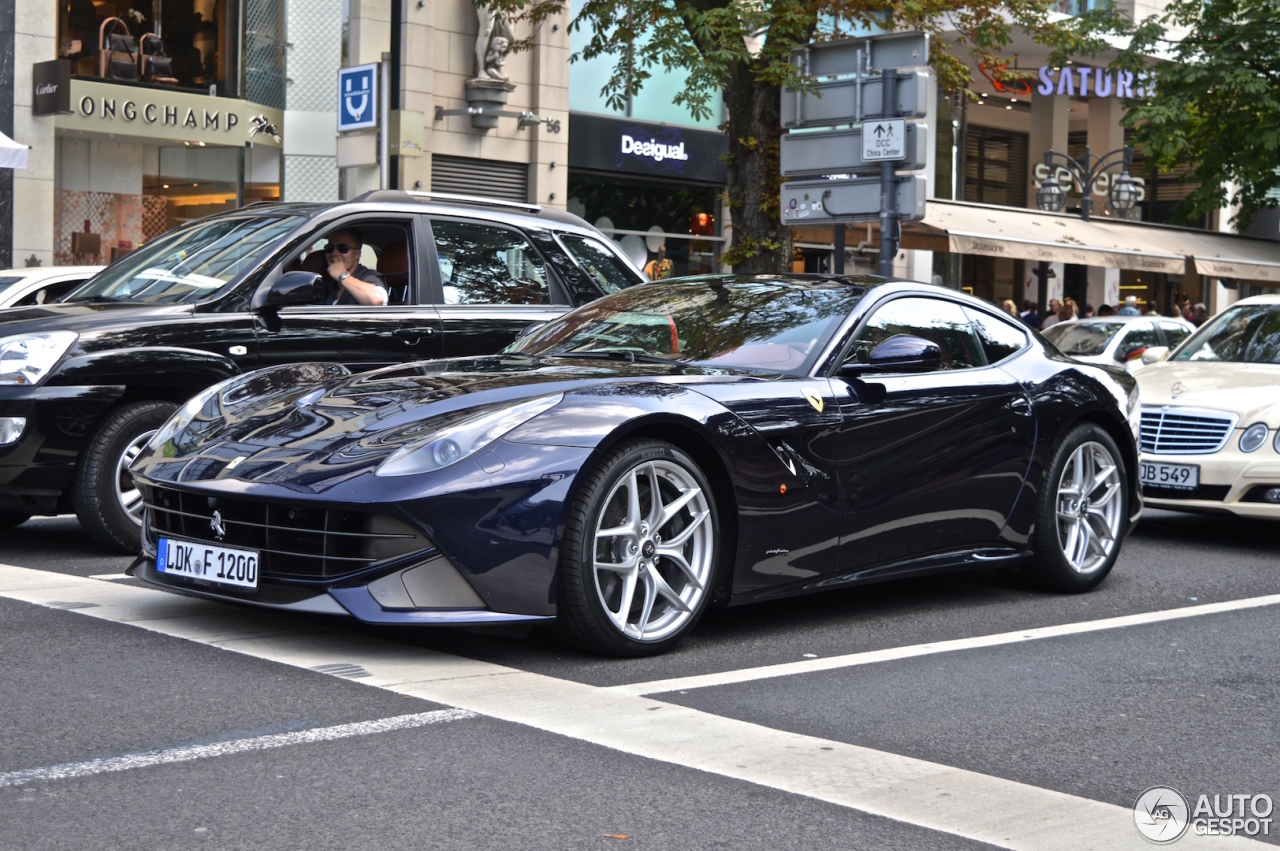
(1089,507)
(653,550)
(127,493)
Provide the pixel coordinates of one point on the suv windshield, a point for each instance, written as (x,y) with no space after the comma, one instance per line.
(746,323)
(1083,338)
(1248,333)
(190,263)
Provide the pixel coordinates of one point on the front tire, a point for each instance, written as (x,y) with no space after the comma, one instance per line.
(640,552)
(1082,512)
(106,500)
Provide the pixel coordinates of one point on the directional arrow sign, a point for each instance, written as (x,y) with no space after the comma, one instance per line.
(884,139)
(845,151)
(815,202)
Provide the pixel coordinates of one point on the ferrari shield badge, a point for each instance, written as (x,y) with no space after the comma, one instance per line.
(814,399)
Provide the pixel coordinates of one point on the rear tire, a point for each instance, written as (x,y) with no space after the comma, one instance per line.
(12,519)
(106,500)
(640,552)
(1082,512)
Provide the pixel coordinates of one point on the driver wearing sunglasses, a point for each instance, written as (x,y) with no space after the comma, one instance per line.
(356,284)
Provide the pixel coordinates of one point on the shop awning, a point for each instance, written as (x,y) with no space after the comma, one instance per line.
(1224,255)
(1051,237)
(12,154)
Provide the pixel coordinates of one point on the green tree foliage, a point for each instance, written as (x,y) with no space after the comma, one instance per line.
(742,48)
(1217,103)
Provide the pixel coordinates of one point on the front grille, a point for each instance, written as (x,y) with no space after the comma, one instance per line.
(1184,431)
(1215,493)
(293,541)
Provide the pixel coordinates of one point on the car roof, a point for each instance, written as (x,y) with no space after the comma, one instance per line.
(50,271)
(1268,298)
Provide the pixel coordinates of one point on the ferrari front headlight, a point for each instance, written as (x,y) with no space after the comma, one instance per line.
(184,415)
(463,438)
(27,358)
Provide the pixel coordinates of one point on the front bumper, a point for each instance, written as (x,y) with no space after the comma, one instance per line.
(37,470)
(1231,481)
(359,601)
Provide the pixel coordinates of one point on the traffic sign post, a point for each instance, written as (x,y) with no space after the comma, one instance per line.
(884,143)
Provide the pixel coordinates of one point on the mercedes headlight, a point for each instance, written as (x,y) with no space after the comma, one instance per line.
(1253,437)
(27,358)
(463,438)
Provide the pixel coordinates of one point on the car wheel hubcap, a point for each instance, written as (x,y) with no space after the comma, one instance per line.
(653,550)
(127,493)
(1090,507)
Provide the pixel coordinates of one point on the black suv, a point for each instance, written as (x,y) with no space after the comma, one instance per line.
(84,383)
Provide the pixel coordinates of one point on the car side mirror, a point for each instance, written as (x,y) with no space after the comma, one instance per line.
(288,290)
(900,353)
(1128,353)
(1155,354)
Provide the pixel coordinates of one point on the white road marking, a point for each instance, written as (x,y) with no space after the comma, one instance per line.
(950,800)
(147,759)
(787,669)
(110,577)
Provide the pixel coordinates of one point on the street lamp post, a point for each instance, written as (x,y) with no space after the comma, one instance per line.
(1052,195)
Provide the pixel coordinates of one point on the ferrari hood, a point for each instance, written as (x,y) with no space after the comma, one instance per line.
(1251,390)
(375,413)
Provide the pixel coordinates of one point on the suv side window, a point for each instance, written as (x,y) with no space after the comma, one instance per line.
(386,248)
(604,267)
(941,322)
(1000,338)
(486,264)
(1142,335)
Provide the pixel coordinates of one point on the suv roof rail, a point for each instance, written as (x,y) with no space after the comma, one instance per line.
(476,199)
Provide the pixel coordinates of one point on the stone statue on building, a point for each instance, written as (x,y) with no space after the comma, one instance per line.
(493,40)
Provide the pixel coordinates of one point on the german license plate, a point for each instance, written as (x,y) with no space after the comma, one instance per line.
(1184,477)
(207,563)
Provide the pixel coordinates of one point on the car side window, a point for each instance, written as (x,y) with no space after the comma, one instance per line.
(483,264)
(384,250)
(941,322)
(604,267)
(1174,333)
(1000,338)
(49,293)
(1143,335)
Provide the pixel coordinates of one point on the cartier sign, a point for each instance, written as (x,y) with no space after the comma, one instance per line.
(156,113)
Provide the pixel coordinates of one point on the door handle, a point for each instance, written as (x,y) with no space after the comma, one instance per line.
(411,335)
(1020,406)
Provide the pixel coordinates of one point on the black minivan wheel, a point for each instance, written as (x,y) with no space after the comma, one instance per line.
(106,500)
(640,551)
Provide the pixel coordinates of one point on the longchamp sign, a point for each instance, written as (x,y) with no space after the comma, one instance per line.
(155,113)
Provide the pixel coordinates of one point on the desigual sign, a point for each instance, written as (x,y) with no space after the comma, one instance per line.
(1094,82)
(169,115)
(652,149)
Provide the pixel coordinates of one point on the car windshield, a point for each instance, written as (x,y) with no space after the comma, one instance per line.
(1083,338)
(188,264)
(1247,333)
(760,323)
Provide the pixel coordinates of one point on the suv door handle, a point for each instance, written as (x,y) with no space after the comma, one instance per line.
(412,334)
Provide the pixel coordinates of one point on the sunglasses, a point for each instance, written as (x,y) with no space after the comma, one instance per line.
(338,248)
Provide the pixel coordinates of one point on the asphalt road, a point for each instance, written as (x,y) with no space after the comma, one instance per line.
(1098,715)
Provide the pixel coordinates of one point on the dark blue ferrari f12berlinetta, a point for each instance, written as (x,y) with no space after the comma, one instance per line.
(715,440)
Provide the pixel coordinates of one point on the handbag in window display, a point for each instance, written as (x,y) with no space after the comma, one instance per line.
(117,55)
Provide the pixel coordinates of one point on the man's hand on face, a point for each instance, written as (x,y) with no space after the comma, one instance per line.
(336,267)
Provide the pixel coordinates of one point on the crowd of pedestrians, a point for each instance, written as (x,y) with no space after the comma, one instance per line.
(1064,310)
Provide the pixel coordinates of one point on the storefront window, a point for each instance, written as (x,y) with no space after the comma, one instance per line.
(666,228)
(185,44)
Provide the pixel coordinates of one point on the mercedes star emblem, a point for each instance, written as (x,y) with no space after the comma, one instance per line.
(1178,389)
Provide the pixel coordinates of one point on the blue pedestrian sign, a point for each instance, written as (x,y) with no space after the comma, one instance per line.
(357,97)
